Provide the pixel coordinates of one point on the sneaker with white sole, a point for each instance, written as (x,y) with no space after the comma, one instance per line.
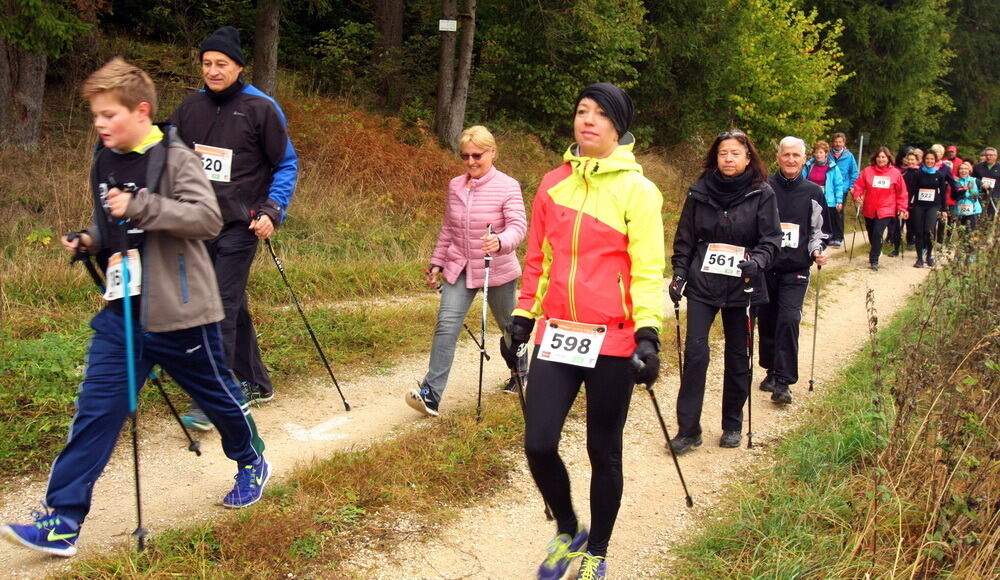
(51,533)
(422,401)
(250,481)
(254,393)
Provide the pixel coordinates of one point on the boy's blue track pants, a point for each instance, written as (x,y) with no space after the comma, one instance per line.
(193,357)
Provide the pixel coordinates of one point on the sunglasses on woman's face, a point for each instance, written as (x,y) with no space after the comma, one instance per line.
(476,156)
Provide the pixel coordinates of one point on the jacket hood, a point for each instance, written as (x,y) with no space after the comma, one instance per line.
(621,159)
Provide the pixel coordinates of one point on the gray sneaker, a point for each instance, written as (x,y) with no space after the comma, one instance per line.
(684,444)
(730,439)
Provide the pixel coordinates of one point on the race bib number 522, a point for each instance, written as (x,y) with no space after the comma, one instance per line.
(572,343)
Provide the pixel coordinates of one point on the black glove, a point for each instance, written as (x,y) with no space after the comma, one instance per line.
(647,349)
(519,328)
(749,268)
(509,354)
(676,289)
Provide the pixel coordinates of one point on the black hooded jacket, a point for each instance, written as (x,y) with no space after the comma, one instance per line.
(751,222)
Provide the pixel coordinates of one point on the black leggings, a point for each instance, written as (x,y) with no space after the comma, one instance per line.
(923,220)
(876,229)
(736,377)
(553,389)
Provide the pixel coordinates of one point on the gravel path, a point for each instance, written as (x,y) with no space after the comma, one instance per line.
(505,536)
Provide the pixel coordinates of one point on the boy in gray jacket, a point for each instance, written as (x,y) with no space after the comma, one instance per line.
(153,203)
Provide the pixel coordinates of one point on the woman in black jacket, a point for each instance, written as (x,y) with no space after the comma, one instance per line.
(926,188)
(728,234)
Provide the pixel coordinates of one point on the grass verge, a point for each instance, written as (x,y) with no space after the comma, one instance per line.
(895,473)
(354,500)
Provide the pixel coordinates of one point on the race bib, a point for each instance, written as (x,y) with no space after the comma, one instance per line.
(789,235)
(925,194)
(216,161)
(989,182)
(572,343)
(723,259)
(115,277)
(880,182)
(965,208)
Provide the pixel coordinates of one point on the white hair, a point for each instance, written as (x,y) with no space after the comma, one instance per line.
(792,142)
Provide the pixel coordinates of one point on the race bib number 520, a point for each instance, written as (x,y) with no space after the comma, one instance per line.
(572,343)
(216,161)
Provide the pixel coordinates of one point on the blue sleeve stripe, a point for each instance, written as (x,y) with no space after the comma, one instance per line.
(287,171)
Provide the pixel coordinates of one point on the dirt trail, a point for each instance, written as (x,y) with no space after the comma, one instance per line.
(504,538)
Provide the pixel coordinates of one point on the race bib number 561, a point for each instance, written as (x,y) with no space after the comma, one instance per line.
(723,259)
(572,343)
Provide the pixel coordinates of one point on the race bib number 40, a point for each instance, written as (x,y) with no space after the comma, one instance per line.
(789,235)
(572,343)
(216,161)
(723,259)
(881,182)
(115,277)
(925,194)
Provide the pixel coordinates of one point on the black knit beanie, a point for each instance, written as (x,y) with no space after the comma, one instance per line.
(227,41)
(615,102)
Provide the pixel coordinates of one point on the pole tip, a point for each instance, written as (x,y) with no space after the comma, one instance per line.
(347,406)
(689,501)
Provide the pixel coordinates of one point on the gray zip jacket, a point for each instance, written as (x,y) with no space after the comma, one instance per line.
(179,289)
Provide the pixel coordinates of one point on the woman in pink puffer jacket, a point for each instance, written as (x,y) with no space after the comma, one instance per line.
(483,197)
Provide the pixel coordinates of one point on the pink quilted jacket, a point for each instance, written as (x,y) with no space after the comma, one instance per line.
(495,198)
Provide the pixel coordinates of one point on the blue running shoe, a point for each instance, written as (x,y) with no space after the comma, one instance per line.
(50,533)
(250,480)
(422,400)
(196,419)
(562,549)
(592,568)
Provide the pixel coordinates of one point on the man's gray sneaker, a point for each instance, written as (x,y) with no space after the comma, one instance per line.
(684,444)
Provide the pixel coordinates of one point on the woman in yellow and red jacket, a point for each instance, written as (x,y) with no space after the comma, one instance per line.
(593,286)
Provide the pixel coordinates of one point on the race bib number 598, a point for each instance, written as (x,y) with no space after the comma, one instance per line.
(573,343)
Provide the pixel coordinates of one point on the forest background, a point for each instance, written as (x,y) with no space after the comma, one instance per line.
(903,72)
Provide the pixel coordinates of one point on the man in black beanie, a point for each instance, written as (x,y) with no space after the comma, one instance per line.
(241,135)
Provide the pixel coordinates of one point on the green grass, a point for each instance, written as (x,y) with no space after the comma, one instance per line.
(307,527)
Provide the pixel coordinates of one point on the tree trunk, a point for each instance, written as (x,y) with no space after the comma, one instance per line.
(22,88)
(446,72)
(265,46)
(453,85)
(388,51)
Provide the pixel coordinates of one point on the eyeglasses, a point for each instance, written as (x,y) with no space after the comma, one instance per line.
(476,156)
(728,134)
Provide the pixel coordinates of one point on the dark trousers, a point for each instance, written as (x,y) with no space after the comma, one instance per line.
(735,382)
(833,223)
(923,221)
(894,234)
(968,221)
(778,321)
(193,357)
(232,253)
(876,229)
(553,389)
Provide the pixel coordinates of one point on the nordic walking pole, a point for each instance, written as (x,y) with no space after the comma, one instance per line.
(140,532)
(749,292)
(512,359)
(639,365)
(193,445)
(79,256)
(680,355)
(482,332)
(319,349)
(482,349)
(812,367)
